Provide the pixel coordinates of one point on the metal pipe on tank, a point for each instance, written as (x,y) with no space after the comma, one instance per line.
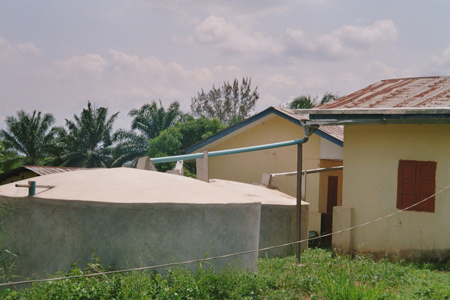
(32,188)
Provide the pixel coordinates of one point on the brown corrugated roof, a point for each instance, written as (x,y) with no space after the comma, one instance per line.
(40,170)
(420,92)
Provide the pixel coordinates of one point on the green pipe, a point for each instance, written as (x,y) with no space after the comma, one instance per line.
(158,160)
(32,188)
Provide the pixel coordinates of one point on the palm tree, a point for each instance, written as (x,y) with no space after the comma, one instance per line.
(303,102)
(150,119)
(130,147)
(307,101)
(328,96)
(8,159)
(88,139)
(29,136)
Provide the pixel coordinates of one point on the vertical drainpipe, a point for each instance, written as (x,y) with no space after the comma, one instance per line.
(299,200)
(308,130)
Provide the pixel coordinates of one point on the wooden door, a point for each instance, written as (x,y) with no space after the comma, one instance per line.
(332,193)
(327,218)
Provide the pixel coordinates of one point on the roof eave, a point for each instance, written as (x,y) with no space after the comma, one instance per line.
(324,120)
(377,111)
(261,115)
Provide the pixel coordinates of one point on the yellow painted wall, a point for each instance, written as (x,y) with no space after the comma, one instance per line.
(371,156)
(249,167)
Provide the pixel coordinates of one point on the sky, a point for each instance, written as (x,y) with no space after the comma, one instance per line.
(57,55)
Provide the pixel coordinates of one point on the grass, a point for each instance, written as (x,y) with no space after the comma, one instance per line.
(321,275)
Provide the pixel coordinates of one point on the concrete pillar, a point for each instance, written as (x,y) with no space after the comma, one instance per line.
(342,219)
(203,167)
(145,163)
(267,180)
(178,170)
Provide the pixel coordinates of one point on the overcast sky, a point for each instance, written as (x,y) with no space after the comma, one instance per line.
(121,54)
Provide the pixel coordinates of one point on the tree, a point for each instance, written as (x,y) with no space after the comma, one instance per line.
(328,96)
(27,135)
(8,159)
(130,147)
(302,102)
(150,119)
(175,139)
(308,101)
(229,104)
(88,138)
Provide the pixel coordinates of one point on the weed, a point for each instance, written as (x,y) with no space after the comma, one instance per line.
(321,275)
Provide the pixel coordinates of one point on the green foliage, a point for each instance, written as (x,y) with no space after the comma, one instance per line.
(182,135)
(321,275)
(8,159)
(327,97)
(151,120)
(7,259)
(28,136)
(228,103)
(302,102)
(308,101)
(166,144)
(88,138)
(130,147)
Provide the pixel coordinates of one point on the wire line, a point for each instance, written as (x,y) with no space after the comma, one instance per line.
(221,256)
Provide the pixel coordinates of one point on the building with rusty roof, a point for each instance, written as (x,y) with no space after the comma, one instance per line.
(396,167)
(275,124)
(25,172)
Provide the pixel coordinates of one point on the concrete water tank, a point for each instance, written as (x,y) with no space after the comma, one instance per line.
(130,218)
(278,217)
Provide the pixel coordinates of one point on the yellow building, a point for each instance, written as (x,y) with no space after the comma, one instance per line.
(323,150)
(396,189)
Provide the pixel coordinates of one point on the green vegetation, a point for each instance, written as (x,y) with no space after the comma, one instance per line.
(89,139)
(230,103)
(27,138)
(321,275)
(173,140)
(308,101)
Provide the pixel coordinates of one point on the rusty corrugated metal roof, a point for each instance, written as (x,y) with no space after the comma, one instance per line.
(40,170)
(420,92)
(336,131)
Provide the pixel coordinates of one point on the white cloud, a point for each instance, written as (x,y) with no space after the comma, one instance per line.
(129,81)
(378,70)
(446,54)
(85,66)
(230,38)
(299,40)
(16,54)
(436,65)
(344,41)
(227,7)
(364,37)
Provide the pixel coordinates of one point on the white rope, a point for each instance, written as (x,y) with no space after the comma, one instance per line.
(221,256)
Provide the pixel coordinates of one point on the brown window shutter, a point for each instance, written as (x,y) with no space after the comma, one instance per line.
(406,184)
(425,185)
(416,182)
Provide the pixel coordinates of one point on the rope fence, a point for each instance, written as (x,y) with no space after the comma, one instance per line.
(221,256)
